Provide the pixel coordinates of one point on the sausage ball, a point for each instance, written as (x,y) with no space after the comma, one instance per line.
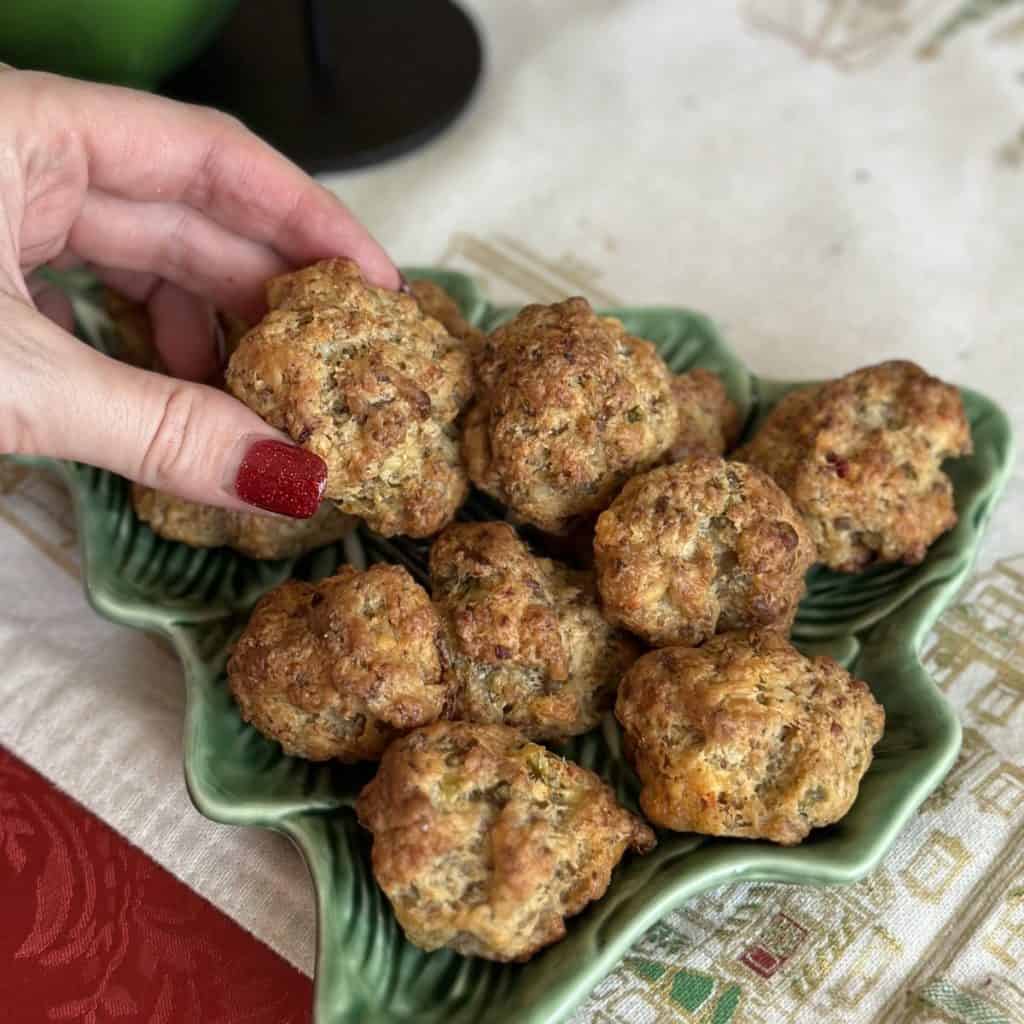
(338,669)
(134,341)
(526,643)
(709,421)
(436,302)
(360,376)
(255,536)
(485,842)
(699,547)
(746,737)
(570,407)
(861,457)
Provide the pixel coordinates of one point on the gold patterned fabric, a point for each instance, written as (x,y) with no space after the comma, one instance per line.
(935,934)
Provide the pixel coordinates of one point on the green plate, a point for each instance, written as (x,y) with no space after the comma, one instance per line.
(366,971)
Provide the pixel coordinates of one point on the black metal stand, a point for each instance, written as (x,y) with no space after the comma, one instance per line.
(338,84)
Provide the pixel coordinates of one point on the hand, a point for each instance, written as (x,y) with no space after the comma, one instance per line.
(178,207)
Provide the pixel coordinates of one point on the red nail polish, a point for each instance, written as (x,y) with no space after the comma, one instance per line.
(282,478)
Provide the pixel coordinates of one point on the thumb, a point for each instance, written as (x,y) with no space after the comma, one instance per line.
(61,398)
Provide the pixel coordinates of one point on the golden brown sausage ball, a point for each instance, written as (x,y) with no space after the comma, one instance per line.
(525,640)
(130,320)
(699,547)
(255,536)
(746,737)
(436,302)
(339,668)
(862,456)
(485,842)
(570,407)
(709,421)
(360,376)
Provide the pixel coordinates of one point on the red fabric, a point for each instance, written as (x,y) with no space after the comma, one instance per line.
(92,931)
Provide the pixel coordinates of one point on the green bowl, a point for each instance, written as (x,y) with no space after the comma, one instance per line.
(366,971)
(127,42)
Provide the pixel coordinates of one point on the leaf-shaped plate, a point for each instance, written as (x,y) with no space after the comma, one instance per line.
(366,971)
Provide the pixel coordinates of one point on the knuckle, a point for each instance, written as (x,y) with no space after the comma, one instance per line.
(171,449)
(226,134)
(300,208)
(177,250)
(232,173)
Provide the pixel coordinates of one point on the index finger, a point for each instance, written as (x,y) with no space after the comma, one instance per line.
(146,147)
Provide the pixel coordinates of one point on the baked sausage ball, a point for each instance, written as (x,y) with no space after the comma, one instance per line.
(709,421)
(526,643)
(485,842)
(339,668)
(861,457)
(255,536)
(699,547)
(746,737)
(570,407)
(363,378)
(130,320)
(436,302)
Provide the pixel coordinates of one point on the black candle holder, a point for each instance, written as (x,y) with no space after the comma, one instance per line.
(339,84)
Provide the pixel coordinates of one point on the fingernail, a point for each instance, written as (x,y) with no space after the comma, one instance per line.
(404,287)
(281,478)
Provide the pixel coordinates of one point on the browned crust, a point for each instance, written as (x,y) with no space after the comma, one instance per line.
(709,422)
(570,407)
(338,669)
(485,842)
(360,376)
(527,644)
(699,547)
(255,536)
(861,457)
(746,737)
(436,302)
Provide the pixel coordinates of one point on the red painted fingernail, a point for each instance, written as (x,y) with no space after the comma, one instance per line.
(282,478)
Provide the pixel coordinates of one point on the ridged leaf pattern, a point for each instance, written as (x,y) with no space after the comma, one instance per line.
(366,970)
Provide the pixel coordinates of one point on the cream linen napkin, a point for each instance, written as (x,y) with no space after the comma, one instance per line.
(835,182)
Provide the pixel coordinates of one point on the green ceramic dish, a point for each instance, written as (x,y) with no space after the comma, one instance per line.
(366,971)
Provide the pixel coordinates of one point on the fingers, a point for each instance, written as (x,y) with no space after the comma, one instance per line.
(147,148)
(174,241)
(184,333)
(184,327)
(63,399)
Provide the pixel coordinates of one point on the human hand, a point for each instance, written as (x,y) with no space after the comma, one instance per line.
(178,207)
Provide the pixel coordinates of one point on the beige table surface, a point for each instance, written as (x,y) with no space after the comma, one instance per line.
(835,182)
